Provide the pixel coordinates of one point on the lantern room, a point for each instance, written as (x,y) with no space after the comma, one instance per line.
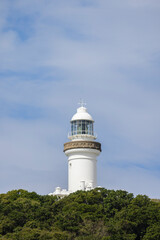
(82,124)
(81,127)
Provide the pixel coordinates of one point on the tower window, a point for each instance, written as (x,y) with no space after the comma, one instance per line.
(82,127)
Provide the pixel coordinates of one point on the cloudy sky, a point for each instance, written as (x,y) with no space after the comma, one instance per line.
(54,52)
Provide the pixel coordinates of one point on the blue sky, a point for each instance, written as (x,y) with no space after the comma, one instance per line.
(52,53)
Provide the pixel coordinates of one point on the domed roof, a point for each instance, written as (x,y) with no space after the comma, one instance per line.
(82,114)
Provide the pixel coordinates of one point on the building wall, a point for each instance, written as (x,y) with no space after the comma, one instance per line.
(82,169)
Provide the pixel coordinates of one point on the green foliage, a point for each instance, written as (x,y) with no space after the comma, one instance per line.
(99,214)
(153,232)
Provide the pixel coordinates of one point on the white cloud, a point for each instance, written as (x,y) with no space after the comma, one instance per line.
(52,54)
(105,35)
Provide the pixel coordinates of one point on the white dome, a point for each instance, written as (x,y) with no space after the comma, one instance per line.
(82,114)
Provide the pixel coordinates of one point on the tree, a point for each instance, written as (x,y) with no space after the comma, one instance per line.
(97,214)
(153,232)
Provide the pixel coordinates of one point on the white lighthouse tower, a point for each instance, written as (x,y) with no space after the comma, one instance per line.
(82,152)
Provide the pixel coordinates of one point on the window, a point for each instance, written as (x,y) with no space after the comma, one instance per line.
(82,127)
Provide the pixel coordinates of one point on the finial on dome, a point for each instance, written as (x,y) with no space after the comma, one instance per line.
(82,103)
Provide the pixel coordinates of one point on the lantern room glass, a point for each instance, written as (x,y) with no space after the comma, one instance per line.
(82,127)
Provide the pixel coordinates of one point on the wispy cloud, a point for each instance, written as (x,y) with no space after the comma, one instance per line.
(54,52)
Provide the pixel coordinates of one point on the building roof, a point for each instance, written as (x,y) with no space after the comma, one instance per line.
(82,114)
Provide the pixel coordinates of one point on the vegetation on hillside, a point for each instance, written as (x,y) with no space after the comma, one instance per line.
(99,214)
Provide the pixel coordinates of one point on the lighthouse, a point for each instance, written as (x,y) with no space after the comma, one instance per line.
(82,151)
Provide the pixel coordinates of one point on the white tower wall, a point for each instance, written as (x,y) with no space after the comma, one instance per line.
(82,169)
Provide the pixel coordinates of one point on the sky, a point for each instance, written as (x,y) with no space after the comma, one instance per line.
(54,52)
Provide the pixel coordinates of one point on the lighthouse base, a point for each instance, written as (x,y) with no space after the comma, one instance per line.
(59,192)
(63,192)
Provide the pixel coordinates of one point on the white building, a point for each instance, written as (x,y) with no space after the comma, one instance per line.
(82,152)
